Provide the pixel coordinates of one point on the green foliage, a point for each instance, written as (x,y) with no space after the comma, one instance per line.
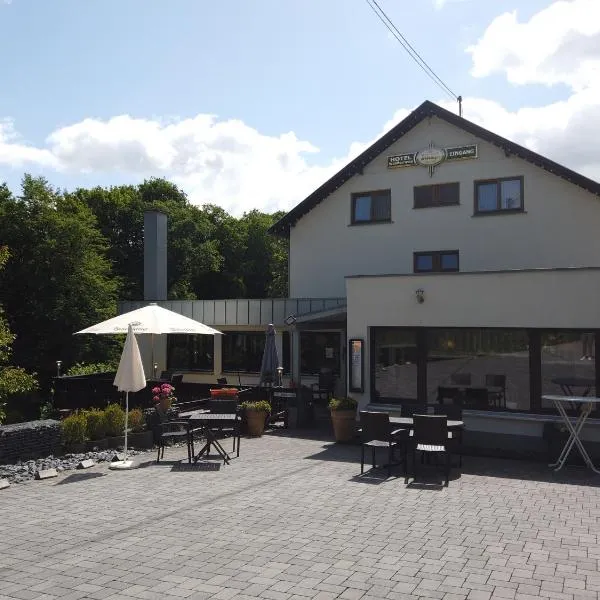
(137,421)
(346,403)
(74,429)
(48,411)
(89,368)
(257,406)
(114,416)
(95,424)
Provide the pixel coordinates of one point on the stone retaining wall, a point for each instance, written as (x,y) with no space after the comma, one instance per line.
(33,439)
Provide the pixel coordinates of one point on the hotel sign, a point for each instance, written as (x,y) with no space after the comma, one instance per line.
(431,157)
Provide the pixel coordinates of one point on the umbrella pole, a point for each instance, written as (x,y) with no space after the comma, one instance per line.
(126,419)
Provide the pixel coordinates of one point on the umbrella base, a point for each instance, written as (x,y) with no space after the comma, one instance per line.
(121,464)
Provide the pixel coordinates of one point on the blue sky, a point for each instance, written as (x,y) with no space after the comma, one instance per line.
(328,71)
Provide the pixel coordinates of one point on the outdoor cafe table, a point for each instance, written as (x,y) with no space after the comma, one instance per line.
(587,404)
(205,419)
(407,423)
(568,383)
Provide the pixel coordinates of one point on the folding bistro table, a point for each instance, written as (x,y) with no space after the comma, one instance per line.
(587,404)
(205,420)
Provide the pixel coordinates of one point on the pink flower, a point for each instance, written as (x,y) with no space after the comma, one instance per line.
(156,398)
(156,390)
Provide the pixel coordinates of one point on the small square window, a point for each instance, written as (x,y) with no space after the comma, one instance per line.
(499,195)
(371,207)
(449,261)
(439,261)
(424,262)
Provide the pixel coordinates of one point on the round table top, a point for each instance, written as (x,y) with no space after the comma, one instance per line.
(408,422)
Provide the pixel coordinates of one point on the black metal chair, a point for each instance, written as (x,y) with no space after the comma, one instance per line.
(223,429)
(430,437)
(174,431)
(222,380)
(498,397)
(476,398)
(410,409)
(176,379)
(455,437)
(378,432)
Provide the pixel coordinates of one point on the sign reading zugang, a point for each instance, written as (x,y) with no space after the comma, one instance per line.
(431,157)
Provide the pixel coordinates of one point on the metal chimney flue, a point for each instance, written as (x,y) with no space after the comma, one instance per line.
(155,255)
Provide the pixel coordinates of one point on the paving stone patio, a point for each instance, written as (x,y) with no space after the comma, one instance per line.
(291,519)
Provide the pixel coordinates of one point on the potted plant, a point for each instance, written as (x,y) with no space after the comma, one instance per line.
(256,415)
(114,417)
(95,429)
(73,431)
(343,418)
(163,396)
(139,436)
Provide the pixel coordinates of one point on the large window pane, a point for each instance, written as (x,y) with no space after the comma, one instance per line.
(484,368)
(449,262)
(395,364)
(319,350)
(362,208)
(190,352)
(243,351)
(568,364)
(510,194)
(381,208)
(424,262)
(487,197)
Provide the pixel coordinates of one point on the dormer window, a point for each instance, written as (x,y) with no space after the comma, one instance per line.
(371,207)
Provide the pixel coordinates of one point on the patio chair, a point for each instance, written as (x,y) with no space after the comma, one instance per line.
(224,407)
(498,397)
(431,438)
(455,438)
(408,410)
(377,432)
(460,378)
(174,431)
(476,398)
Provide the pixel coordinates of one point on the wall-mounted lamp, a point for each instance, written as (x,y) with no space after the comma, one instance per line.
(58,365)
(290,320)
(420,294)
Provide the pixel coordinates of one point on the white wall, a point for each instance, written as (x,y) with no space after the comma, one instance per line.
(568,299)
(558,229)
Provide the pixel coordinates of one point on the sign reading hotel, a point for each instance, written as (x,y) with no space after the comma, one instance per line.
(431,157)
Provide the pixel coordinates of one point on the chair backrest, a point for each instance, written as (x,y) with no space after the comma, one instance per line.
(176,379)
(476,397)
(375,426)
(495,380)
(408,410)
(452,411)
(430,429)
(222,407)
(222,380)
(461,378)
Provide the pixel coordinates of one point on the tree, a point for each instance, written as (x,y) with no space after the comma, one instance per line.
(58,279)
(13,380)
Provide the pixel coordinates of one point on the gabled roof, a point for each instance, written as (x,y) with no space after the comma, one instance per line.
(427,109)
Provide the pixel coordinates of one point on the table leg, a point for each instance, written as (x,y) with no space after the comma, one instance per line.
(574,429)
(212,440)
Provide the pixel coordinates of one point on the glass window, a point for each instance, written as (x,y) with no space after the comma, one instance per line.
(487,197)
(499,195)
(371,207)
(568,364)
(395,355)
(319,350)
(190,352)
(482,368)
(449,261)
(243,351)
(439,194)
(424,262)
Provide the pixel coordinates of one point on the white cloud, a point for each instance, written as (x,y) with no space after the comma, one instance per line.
(559,44)
(228,163)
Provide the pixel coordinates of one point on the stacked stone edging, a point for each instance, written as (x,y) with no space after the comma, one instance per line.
(31,439)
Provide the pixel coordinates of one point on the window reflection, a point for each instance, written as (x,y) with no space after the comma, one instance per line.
(395,364)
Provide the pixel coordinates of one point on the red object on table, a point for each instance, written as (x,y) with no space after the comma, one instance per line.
(223,392)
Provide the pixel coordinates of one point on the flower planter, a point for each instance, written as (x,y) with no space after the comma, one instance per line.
(141,439)
(112,443)
(344,425)
(255,420)
(91,444)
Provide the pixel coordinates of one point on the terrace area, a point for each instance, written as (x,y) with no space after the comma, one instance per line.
(292,518)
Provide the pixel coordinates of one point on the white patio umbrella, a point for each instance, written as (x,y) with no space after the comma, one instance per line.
(151,319)
(130,377)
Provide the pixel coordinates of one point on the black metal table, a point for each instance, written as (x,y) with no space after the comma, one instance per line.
(568,383)
(407,423)
(205,420)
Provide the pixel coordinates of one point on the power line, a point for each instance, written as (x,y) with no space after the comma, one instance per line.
(410,50)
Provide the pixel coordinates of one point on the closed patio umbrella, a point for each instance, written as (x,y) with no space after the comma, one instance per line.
(130,377)
(270,359)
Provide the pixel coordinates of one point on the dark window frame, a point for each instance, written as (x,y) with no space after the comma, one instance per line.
(436,194)
(498,210)
(436,260)
(186,345)
(372,194)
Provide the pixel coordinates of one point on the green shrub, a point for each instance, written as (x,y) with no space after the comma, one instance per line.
(346,403)
(136,420)
(258,406)
(114,416)
(73,429)
(95,424)
(89,368)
